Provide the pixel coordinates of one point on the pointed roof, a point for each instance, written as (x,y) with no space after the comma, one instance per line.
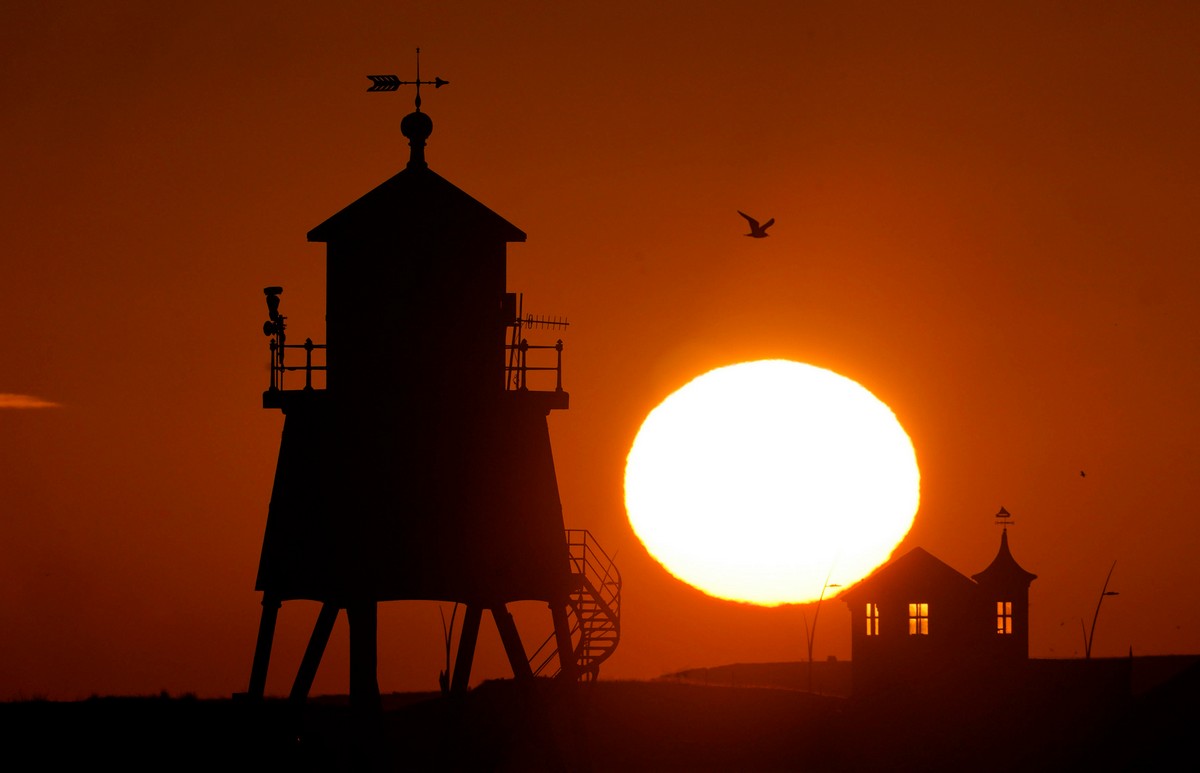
(414,203)
(417,203)
(1004,569)
(916,569)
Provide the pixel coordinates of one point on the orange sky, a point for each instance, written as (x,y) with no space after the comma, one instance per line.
(988,218)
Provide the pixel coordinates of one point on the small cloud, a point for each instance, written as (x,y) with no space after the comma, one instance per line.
(24,401)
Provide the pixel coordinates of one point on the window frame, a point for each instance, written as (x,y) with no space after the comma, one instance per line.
(1004,618)
(918,618)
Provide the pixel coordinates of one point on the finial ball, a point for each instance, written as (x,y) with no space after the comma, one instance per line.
(416,126)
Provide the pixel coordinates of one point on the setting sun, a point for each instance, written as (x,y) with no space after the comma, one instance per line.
(763,481)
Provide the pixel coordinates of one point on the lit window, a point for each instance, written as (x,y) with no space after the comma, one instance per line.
(918,619)
(1003,617)
(872,619)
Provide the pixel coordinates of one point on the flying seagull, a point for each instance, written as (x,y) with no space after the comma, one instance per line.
(757,231)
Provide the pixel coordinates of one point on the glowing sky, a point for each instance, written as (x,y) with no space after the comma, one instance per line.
(986,216)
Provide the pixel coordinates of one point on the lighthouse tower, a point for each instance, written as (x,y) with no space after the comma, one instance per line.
(422,467)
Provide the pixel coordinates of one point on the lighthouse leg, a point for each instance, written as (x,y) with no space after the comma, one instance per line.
(466,649)
(363,617)
(312,654)
(262,648)
(568,666)
(512,642)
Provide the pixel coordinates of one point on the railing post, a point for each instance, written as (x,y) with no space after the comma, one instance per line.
(523,355)
(281,350)
(274,363)
(558,347)
(308,347)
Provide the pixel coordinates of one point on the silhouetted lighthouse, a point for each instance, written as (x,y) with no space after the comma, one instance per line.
(423,469)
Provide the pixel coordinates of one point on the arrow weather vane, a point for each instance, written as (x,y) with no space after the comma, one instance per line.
(392,82)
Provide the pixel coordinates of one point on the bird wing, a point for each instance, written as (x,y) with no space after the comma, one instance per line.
(752,221)
(768,224)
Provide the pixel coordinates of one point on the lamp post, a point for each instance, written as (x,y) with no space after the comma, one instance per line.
(1088,638)
(811,633)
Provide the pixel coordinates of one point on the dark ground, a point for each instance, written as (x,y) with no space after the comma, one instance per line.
(613,726)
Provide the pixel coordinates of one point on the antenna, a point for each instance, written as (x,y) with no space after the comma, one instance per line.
(393,82)
(519,321)
(1003,518)
(545,323)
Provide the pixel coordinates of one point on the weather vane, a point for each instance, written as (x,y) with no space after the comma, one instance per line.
(393,82)
(1003,518)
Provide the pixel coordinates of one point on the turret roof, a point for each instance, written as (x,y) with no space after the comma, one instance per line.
(1004,569)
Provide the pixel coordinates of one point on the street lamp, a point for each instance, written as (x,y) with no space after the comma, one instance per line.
(811,633)
(1089,637)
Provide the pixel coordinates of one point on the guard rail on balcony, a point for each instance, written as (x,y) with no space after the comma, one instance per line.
(279,367)
(517,372)
(518,369)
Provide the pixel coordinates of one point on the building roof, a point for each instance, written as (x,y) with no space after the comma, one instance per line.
(1004,569)
(415,204)
(918,569)
(412,204)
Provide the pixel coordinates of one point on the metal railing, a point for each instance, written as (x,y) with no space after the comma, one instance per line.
(518,368)
(594,610)
(590,561)
(279,368)
(516,372)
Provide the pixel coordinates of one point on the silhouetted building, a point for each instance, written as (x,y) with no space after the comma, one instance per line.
(423,469)
(918,623)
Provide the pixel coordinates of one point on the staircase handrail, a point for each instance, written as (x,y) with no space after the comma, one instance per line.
(596,603)
(608,581)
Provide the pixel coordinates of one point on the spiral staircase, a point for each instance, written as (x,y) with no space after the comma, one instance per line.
(593,611)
